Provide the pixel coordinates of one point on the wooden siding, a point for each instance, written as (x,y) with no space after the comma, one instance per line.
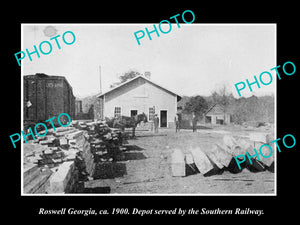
(140,95)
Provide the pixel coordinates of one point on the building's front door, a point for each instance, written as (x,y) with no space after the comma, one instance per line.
(163,118)
(133,113)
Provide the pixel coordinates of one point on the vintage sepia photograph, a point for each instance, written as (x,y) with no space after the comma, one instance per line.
(131,109)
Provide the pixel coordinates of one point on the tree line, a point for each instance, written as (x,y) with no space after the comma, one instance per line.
(252,109)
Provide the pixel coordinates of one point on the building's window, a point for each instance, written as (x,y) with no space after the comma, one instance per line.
(117,111)
(151,113)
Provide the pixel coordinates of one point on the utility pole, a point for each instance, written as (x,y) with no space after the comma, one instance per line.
(101,102)
(100,80)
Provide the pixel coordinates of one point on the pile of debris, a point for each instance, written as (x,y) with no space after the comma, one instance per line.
(220,158)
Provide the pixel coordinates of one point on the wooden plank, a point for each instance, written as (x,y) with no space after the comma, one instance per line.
(64,133)
(63,141)
(60,179)
(189,158)
(74,135)
(266,151)
(258,137)
(213,156)
(37,183)
(229,141)
(223,156)
(177,163)
(30,172)
(232,146)
(243,147)
(201,160)
(30,149)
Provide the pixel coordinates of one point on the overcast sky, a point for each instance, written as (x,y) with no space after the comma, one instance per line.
(190,60)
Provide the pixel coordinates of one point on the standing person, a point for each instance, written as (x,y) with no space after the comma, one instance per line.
(194,121)
(179,121)
(152,125)
(156,123)
(176,119)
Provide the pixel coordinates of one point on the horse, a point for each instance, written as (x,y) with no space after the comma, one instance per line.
(127,122)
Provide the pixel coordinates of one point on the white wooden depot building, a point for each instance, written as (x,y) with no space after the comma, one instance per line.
(140,95)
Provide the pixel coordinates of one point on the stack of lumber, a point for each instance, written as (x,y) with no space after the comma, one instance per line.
(55,152)
(106,147)
(106,143)
(221,157)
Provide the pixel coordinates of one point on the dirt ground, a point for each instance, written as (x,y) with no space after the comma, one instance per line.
(147,167)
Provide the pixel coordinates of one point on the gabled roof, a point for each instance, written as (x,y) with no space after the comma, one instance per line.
(216,110)
(135,78)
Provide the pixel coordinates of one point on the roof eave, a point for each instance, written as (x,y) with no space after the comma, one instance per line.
(102,94)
